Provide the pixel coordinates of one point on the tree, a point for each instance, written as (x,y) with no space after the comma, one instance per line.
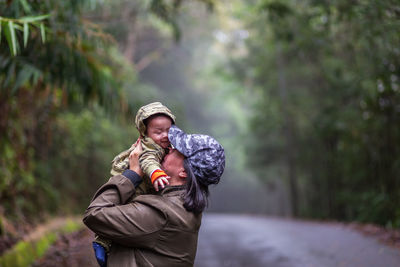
(327,74)
(60,70)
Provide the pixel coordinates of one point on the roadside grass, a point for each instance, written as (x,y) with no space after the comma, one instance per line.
(25,252)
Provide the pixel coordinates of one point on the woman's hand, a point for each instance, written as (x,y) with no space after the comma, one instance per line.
(136,143)
(134,159)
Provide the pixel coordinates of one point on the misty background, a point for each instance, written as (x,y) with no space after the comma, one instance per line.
(304,97)
(185,77)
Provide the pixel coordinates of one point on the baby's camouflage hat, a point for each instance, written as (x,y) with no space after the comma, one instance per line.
(149,110)
(205,154)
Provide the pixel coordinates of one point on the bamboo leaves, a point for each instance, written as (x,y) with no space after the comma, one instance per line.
(13,40)
(10,27)
(26,73)
(43,32)
(26,33)
(27,8)
(9,32)
(32,19)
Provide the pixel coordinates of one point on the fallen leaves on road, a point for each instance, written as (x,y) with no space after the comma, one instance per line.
(388,236)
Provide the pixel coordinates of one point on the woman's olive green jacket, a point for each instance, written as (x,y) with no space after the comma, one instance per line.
(150,230)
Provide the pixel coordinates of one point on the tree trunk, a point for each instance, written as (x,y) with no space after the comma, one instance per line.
(129,17)
(290,151)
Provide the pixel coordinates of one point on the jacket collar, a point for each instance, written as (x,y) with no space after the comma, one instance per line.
(173,190)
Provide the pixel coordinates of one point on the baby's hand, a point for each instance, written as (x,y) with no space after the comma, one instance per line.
(161,182)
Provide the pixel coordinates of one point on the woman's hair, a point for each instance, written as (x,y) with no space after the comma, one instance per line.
(196,195)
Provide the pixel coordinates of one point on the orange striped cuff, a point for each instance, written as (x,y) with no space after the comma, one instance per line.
(157,174)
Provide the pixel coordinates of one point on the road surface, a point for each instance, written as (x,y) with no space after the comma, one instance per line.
(239,240)
(255,241)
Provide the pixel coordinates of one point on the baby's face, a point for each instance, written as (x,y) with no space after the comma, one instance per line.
(157,129)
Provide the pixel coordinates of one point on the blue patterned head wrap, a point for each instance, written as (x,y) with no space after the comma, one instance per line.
(205,154)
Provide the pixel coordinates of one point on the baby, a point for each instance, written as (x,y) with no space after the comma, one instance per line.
(153,122)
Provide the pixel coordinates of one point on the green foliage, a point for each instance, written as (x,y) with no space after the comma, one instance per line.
(66,93)
(168,11)
(63,63)
(327,78)
(79,160)
(73,47)
(44,243)
(24,253)
(22,24)
(71,226)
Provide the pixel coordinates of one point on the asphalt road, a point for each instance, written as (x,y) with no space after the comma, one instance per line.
(254,241)
(239,240)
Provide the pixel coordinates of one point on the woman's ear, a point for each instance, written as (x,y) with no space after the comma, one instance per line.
(182,174)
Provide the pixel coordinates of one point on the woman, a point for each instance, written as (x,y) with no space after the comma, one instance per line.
(158,230)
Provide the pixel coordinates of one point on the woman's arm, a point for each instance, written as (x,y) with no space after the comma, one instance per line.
(132,224)
(135,224)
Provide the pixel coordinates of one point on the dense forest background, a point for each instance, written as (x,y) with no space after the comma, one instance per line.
(304,96)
